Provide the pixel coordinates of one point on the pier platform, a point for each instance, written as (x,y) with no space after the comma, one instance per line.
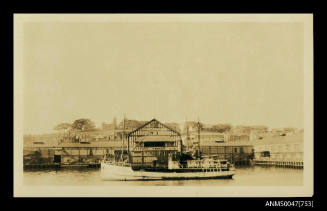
(58,166)
(282,164)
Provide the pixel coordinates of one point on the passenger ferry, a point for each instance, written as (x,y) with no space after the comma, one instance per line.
(155,152)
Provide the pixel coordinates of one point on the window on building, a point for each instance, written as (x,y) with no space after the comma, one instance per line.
(265,154)
(154,144)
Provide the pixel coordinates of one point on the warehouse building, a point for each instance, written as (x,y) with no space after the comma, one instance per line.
(282,150)
(151,143)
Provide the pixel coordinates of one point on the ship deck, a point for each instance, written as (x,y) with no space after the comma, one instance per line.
(181,170)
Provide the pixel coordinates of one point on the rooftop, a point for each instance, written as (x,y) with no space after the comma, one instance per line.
(82,144)
(234,143)
(291,138)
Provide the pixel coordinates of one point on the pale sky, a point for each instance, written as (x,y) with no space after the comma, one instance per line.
(238,73)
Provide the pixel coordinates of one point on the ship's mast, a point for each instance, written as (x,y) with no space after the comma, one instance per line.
(187,129)
(187,135)
(199,136)
(124,131)
(123,137)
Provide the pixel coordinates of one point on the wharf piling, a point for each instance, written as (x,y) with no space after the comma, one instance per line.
(282,164)
(59,166)
(41,166)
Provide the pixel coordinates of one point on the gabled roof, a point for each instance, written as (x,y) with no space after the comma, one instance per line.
(154,120)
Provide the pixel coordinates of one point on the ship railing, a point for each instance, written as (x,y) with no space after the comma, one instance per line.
(210,166)
(119,163)
(122,164)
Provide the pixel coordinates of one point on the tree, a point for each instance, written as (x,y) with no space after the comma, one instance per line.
(221,128)
(83,125)
(259,127)
(63,126)
(194,125)
(174,126)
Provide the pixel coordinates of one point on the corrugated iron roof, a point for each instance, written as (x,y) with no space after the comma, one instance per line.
(40,144)
(94,144)
(293,138)
(231,143)
(154,120)
(90,144)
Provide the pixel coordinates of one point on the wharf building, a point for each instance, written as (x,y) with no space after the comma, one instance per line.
(237,152)
(151,144)
(235,148)
(40,153)
(280,150)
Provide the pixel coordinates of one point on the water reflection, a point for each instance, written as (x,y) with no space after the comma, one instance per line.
(246,176)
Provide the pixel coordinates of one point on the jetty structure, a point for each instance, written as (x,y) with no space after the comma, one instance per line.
(242,145)
(155,152)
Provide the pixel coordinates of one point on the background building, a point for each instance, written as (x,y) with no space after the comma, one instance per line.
(280,148)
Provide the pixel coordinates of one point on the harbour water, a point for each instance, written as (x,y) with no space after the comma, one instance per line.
(245,176)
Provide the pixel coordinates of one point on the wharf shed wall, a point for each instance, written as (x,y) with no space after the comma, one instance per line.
(280,149)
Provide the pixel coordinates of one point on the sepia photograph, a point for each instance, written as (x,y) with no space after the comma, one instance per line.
(163,105)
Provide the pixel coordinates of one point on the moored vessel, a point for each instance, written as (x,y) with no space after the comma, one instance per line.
(125,171)
(155,152)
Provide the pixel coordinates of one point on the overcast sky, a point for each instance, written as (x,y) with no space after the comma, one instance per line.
(238,73)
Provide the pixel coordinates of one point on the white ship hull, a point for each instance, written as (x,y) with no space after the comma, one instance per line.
(115,172)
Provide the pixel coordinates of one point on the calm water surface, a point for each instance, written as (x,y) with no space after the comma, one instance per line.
(246,176)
